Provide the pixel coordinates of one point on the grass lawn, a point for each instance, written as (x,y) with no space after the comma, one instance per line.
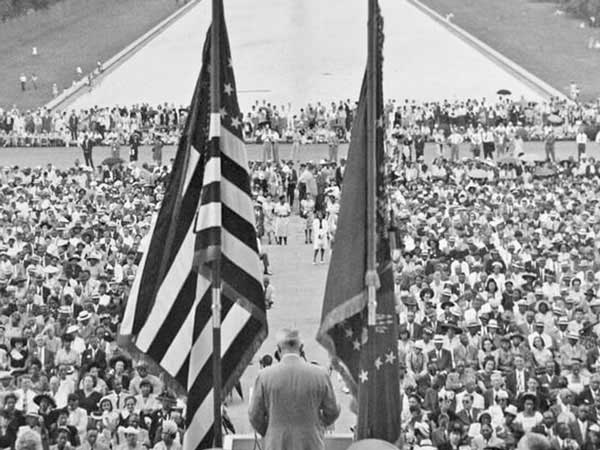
(71,33)
(552,47)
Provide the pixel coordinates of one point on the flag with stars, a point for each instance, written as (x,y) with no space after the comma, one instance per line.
(207,212)
(368,361)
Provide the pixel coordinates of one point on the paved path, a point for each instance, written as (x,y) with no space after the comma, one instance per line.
(64,157)
(300,287)
(303,51)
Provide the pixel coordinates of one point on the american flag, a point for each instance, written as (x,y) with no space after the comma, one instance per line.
(207,211)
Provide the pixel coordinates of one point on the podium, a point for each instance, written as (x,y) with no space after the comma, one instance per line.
(335,441)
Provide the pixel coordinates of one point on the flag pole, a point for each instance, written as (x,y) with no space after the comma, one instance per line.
(215,120)
(371,278)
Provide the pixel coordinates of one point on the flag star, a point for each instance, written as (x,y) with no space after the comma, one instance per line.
(378,363)
(349,333)
(356,344)
(363,376)
(235,122)
(228,88)
(390,358)
(223,112)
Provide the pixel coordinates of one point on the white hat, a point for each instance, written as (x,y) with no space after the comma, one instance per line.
(83,316)
(511,409)
(130,430)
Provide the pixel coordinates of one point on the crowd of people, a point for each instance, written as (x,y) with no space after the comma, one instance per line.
(69,247)
(313,123)
(496,280)
(497,283)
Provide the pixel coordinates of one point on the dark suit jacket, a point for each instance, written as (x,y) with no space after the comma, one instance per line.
(462,416)
(576,432)
(443,363)
(417,330)
(291,403)
(87,359)
(511,381)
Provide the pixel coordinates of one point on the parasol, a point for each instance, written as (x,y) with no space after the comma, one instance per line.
(504,92)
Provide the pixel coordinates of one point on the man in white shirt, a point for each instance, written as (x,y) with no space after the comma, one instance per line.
(581,140)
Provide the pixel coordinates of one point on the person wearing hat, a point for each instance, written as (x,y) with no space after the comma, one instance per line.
(570,350)
(168,402)
(169,437)
(540,332)
(142,375)
(590,395)
(442,356)
(300,387)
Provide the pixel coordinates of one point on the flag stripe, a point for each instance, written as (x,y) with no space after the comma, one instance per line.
(210,213)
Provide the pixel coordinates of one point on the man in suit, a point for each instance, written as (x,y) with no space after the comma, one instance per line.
(94,354)
(42,354)
(591,393)
(468,414)
(87,145)
(415,329)
(579,428)
(441,356)
(292,401)
(516,380)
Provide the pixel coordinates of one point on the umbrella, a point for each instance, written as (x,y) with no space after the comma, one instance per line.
(544,172)
(555,119)
(112,161)
(504,92)
(478,174)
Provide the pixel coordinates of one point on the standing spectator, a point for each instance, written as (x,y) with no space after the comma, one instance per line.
(157,149)
(74,126)
(79,72)
(282,220)
(488,143)
(333,143)
(581,140)
(455,140)
(54,90)
(23,81)
(34,79)
(549,145)
(134,145)
(87,146)
(293,401)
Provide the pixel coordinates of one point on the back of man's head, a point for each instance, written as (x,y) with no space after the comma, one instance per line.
(533,441)
(288,340)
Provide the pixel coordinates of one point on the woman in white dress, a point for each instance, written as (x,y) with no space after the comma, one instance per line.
(282,220)
(320,231)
